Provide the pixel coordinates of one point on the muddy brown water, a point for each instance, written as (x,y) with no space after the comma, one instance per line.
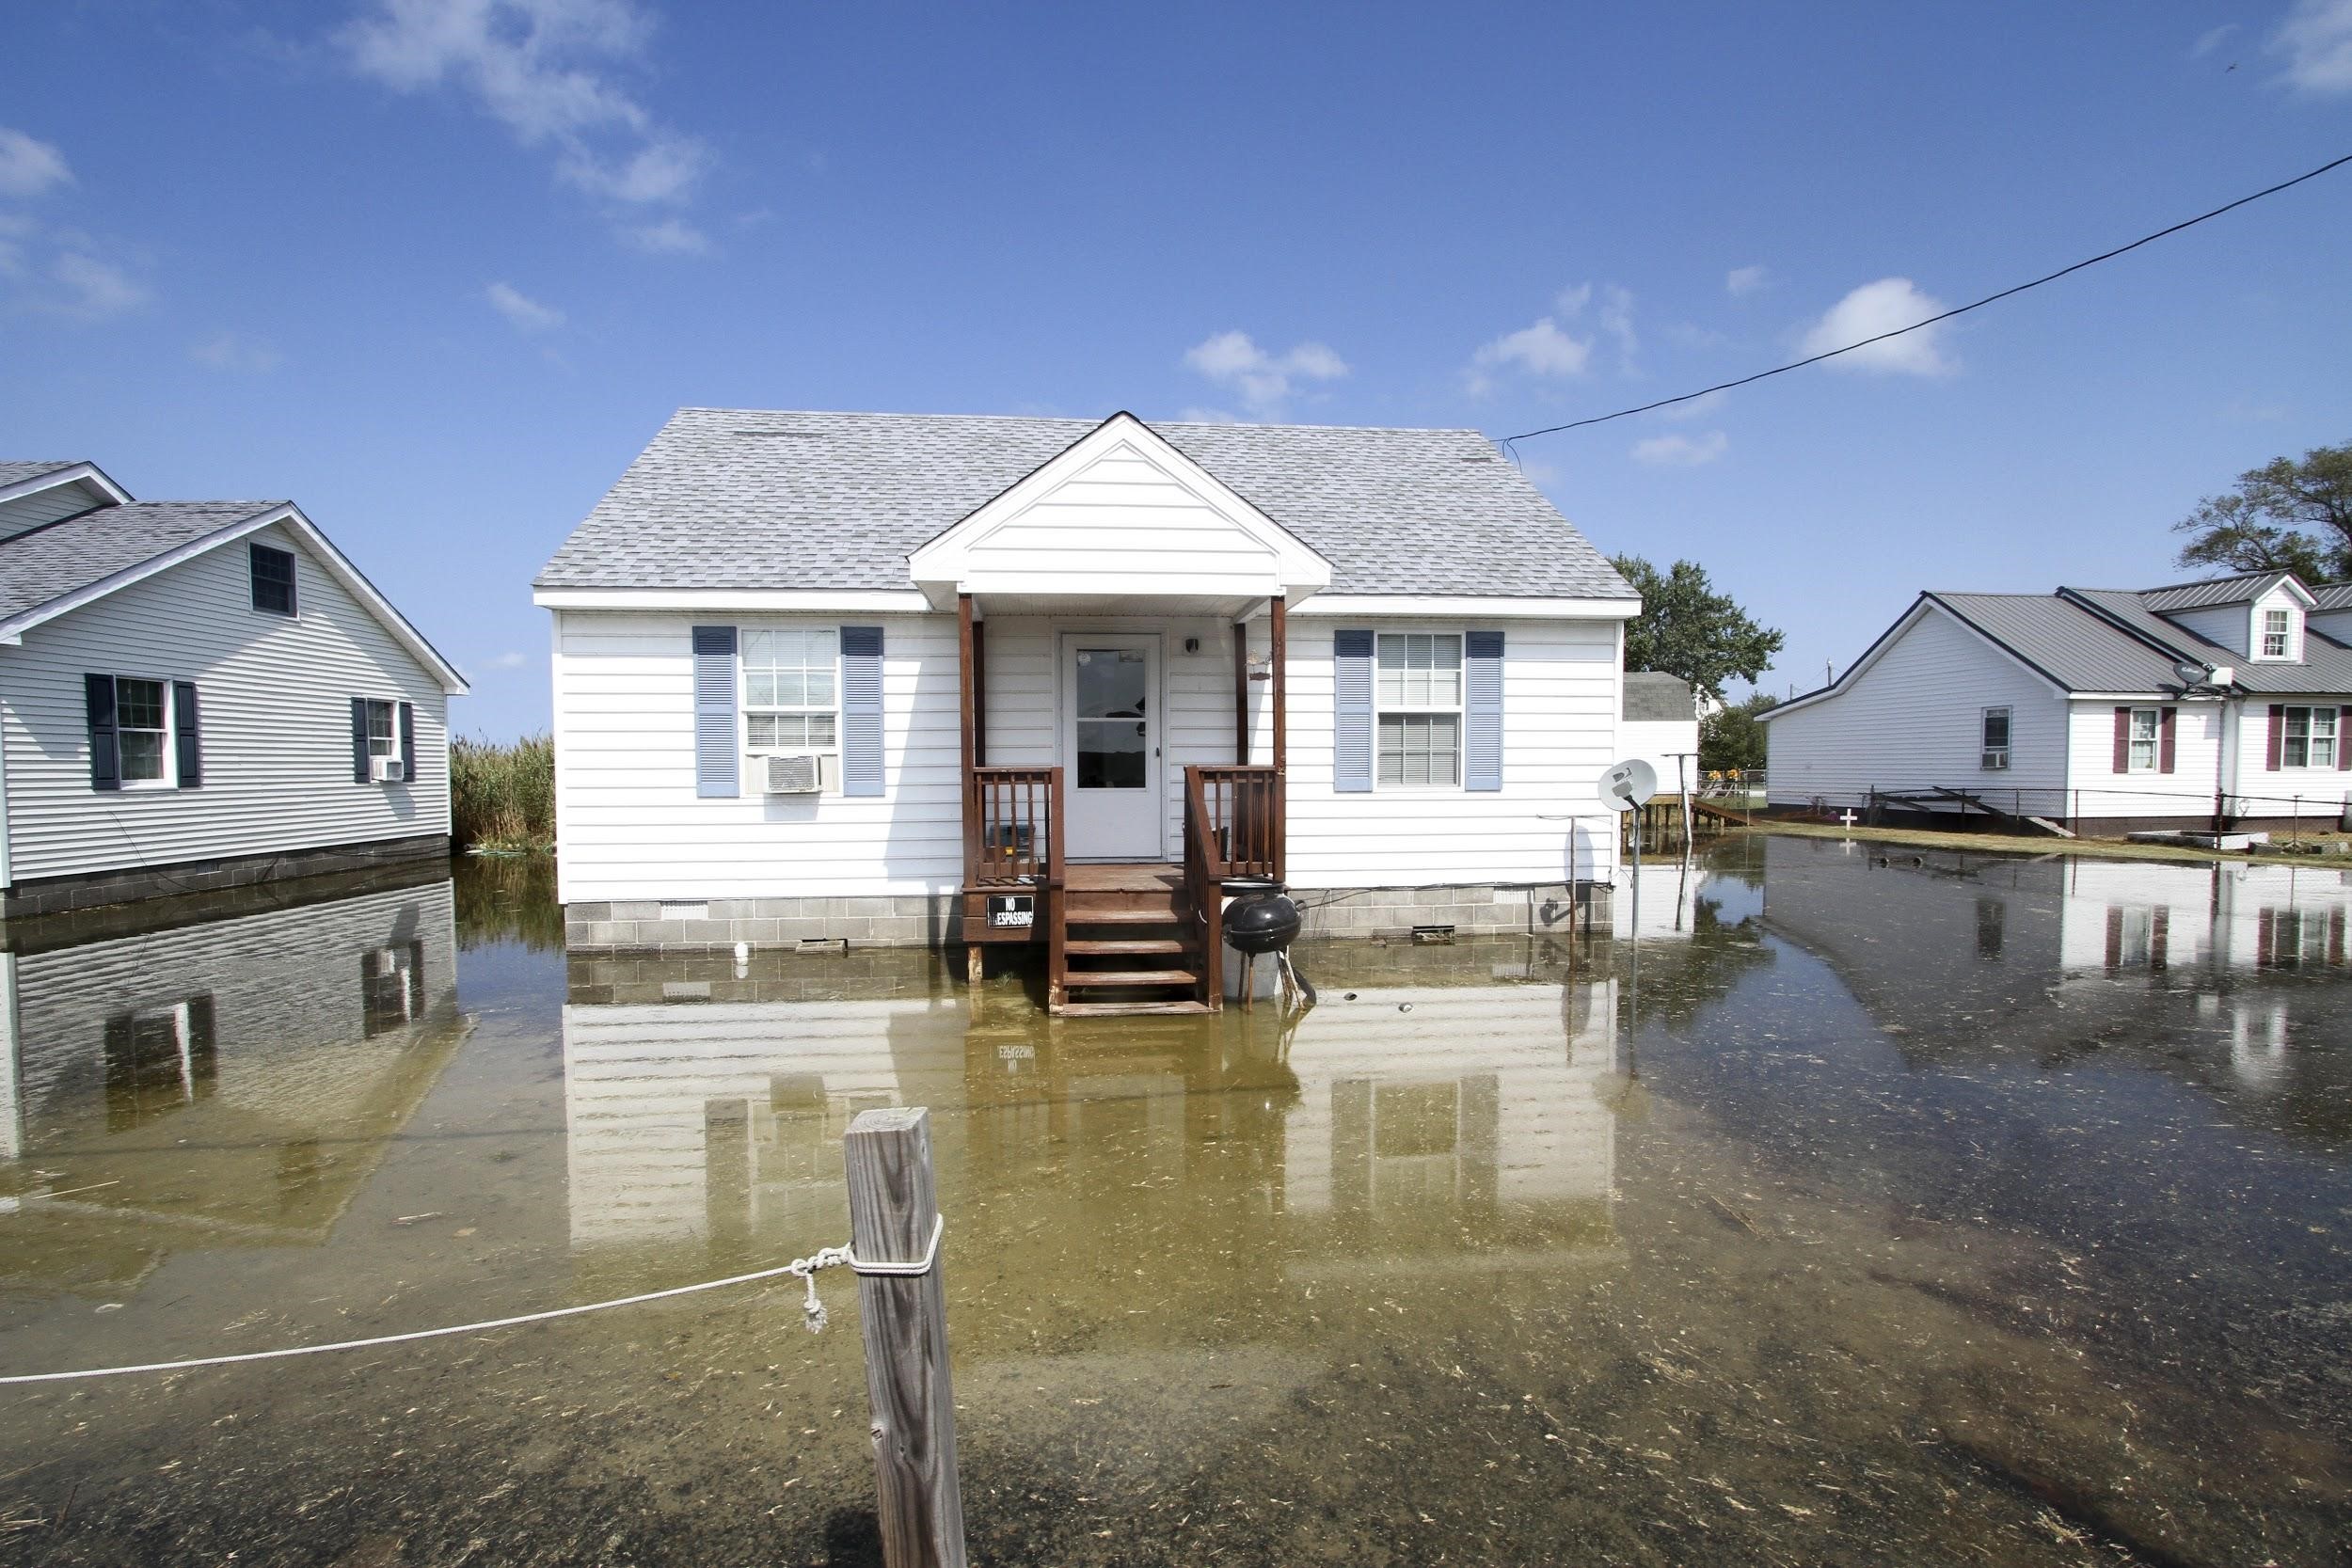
(1873,1208)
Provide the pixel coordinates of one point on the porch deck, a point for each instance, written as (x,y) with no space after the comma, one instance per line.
(1124,936)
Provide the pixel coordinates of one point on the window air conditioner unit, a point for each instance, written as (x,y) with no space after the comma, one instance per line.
(1996,761)
(793,775)
(385,770)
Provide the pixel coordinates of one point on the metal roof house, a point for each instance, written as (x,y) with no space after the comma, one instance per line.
(2215,705)
(200,694)
(941,679)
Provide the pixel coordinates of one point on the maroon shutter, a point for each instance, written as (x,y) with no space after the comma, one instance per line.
(2115,937)
(2335,935)
(2160,939)
(2164,740)
(2343,739)
(2277,736)
(2123,740)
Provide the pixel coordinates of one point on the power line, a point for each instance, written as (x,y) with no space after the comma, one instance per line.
(1960,311)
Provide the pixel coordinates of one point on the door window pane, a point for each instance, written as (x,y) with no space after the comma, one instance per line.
(1113,683)
(1112,693)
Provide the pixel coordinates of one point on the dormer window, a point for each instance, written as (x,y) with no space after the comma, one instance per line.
(2277,624)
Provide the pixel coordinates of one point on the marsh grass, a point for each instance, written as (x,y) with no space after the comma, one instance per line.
(503,797)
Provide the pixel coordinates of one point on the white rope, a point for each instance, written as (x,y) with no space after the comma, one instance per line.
(803,1268)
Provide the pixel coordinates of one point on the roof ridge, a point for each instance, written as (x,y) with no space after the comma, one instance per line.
(1085,420)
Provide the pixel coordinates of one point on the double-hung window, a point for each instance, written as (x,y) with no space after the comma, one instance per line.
(383,729)
(2278,632)
(1996,748)
(2143,754)
(1419,692)
(143,731)
(2309,738)
(792,696)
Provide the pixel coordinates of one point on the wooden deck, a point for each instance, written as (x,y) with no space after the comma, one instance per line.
(1124,877)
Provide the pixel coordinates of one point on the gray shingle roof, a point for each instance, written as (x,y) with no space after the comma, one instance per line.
(1653,697)
(747,499)
(2243,589)
(50,562)
(17,473)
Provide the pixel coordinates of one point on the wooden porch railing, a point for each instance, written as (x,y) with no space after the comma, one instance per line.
(1243,809)
(1233,829)
(1012,833)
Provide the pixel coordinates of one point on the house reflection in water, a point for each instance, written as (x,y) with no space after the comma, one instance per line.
(1443,1105)
(2208,968)
(222,1082)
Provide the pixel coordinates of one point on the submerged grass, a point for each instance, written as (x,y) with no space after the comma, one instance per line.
(2103,849)
(503,797)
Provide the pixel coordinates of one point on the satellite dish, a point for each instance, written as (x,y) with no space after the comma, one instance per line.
(2192,672)
(1628,784)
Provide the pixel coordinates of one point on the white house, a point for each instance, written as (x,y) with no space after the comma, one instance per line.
(200,694)
(934,679)
(1660,724)
(2218,705)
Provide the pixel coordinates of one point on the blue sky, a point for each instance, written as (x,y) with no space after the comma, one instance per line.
(438,269)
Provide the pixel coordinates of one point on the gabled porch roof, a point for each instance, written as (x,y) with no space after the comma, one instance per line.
(1118,515)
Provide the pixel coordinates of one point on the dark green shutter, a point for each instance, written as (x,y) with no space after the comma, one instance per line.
(185,737)
(359,740)
(861,710)
(105,749)
(408,742)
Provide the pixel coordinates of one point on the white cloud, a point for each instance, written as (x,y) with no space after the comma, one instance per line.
(670,237)
(225,351)
(1616,319)
(2210,40)
(539,67)
(508,660)
(1682,452)
(1889,303)
(1541,349)
(1702,406)
(27,166)
(94,289)
(526,313)
(2316,38)
(1742,281)
(1264,382)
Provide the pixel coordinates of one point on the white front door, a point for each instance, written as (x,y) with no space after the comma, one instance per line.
(1110,745)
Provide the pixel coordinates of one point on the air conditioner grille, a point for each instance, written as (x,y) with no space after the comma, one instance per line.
(793,775)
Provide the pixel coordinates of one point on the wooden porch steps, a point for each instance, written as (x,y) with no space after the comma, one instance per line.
(1126,916)
(1185,1006)
(1124,945)
(1097,979)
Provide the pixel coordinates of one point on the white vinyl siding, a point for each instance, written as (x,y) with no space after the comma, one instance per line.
(2096,789)
(632,828)
(1913,719)
(45,506)
(273,697)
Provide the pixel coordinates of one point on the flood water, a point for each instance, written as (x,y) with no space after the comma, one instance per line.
(1872,1208)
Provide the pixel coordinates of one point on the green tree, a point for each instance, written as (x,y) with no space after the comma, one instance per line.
(1685,628)
(1731,737)
(2284,515)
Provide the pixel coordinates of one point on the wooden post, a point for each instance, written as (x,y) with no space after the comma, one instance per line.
(1281,670)
(967,752)
(1240,693)
(979,693)
(893,1208)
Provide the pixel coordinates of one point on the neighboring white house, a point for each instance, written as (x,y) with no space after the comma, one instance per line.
(1660,724)
(200,694)
(2210,704)
(813,671)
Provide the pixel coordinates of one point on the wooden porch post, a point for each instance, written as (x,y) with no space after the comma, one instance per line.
(1281,658)
(1240,693)
(979,693)
(969,748)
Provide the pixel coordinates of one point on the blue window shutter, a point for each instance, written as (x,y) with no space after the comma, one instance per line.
(407,721)
(1351,702)
(718,749)
(861,710)
(1482,710)
(359,740)
(186,739)
(105,751)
